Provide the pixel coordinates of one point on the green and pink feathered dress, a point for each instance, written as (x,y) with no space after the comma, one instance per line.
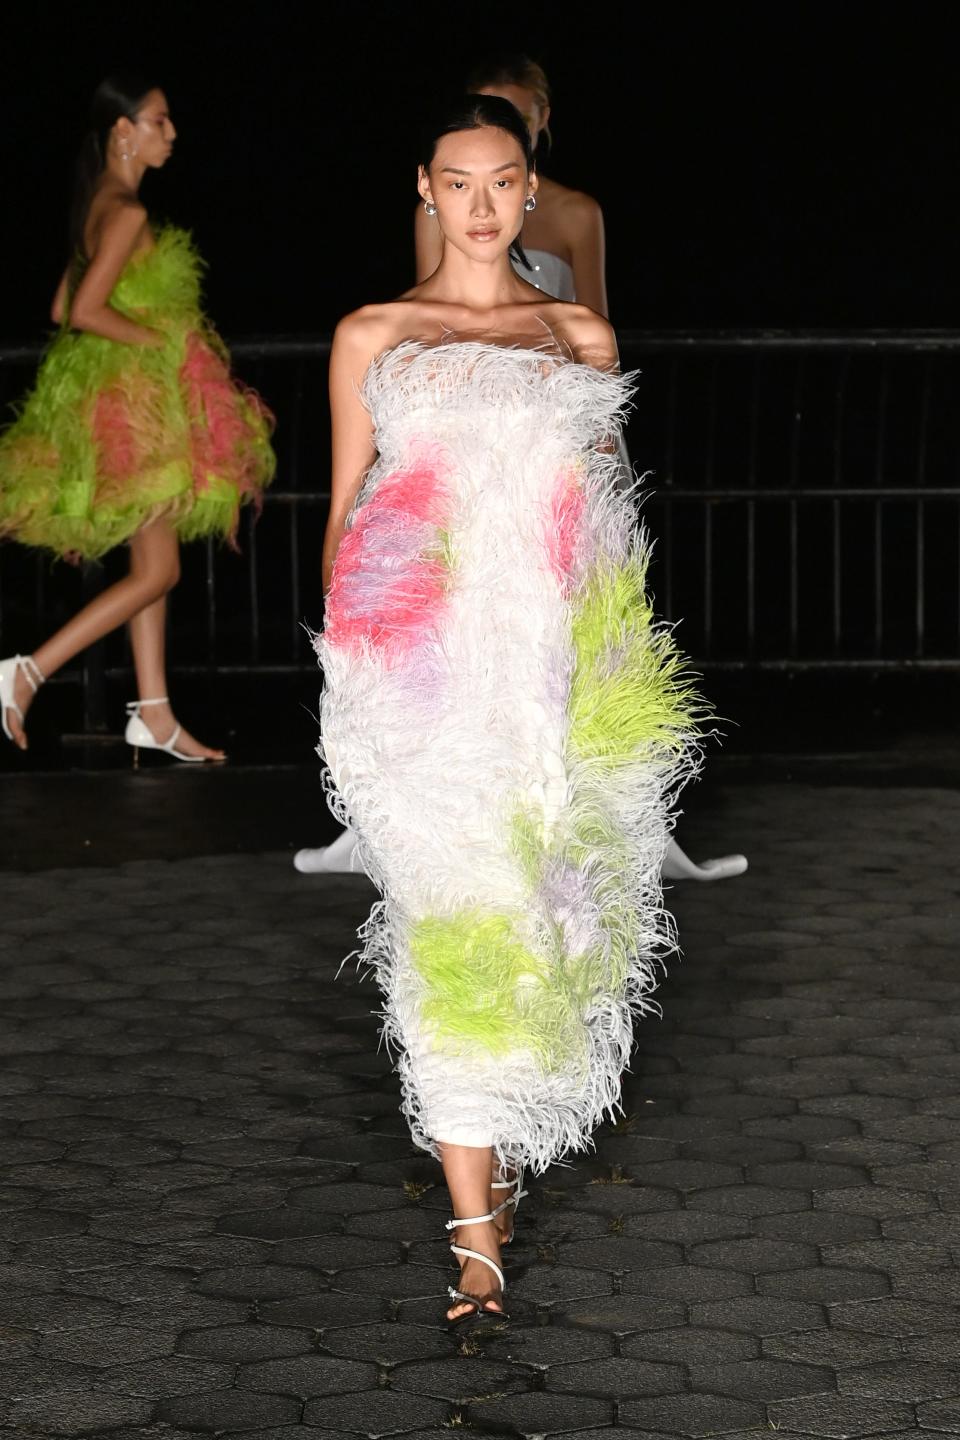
(506,727)
(114,436)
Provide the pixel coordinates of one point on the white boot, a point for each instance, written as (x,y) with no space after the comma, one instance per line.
(337,859)
(678,866)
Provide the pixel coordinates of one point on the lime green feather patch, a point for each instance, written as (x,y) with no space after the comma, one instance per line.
(628,692)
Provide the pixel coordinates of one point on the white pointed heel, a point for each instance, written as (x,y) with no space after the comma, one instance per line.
(339,858)
(677,865)
(141,737)
(516,1185)
(8,681)
(478,1302)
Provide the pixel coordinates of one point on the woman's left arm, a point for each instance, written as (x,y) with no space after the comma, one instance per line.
(588,250)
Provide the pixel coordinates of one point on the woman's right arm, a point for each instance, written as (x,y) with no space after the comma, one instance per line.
(355,342)
(91,309)
(428,242)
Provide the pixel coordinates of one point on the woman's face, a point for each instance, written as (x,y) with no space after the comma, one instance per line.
(150,137)
(535,115)
(478,181)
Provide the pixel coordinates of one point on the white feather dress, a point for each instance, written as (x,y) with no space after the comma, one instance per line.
(506,728)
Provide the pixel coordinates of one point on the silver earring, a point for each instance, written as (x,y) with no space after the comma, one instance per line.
(429,208)
(530,203)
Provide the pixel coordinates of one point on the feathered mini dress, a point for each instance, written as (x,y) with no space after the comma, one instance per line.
(506,727)
(114,436)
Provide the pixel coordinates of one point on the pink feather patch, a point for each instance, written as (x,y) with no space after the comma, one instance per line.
(566,519)
(223,416)
(390,578)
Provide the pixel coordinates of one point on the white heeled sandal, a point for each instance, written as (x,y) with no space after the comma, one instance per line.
(478,1302)
(516,1185)
(141,737)
(8,680)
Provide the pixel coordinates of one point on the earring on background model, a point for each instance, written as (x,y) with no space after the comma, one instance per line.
(530,203)
(429,208)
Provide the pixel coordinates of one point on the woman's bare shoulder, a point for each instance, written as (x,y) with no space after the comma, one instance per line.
(374,328)
(589,336)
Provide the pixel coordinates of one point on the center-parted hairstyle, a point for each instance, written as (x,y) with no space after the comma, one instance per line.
(115,97)
(477,112)
(513,69)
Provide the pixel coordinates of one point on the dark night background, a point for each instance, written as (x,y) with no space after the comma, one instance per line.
(758,164)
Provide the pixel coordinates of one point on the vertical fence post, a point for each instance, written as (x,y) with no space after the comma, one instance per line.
(94,677)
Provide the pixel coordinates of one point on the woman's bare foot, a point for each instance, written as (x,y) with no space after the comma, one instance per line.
(161,722)
(477,1279)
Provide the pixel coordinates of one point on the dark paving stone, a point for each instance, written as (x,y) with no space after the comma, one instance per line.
(840,1416)
(387,1344)
(559,1284)
(395,1282)
(229,1410)
(624,1314)
(459,1380)
(753,1256)
(826,1284)
(171,1375)
(617,1377)
(749,1200)
(908,1380)
(242,1344)
(542,1346)
(307,1375)
(617,1252)
(759,1315)
(108,1345)
(690,1346)
(939,1286)
(835,1348)
(277,1224)
(690,1414)
(688,1283)
(540,1413)
(893,1317)
(376,1412)
(816,1227)
(75,1414)
(939,1415)
(686,1227)
(320,1311)
(259,1282)
(761,1379)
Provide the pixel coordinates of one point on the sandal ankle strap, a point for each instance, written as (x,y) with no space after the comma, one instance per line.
(33,675)
(455,1224)
(135,706)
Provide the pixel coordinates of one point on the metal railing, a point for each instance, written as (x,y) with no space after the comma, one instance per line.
(803,493)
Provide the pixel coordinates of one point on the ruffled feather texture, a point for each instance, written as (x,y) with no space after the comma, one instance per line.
(507,727)
(114,436)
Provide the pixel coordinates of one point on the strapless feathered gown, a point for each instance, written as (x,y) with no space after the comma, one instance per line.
(506,727)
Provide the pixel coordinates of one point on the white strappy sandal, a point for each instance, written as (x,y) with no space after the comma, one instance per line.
(478,1302)
(141,737)
(8,680)
(516,1185)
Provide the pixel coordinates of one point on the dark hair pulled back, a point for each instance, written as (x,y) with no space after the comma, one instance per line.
(478,112)
(115,97)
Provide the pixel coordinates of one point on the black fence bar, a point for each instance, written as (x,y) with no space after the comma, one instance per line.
(802,493)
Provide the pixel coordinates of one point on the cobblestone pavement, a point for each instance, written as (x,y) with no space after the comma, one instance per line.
(211,1218)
